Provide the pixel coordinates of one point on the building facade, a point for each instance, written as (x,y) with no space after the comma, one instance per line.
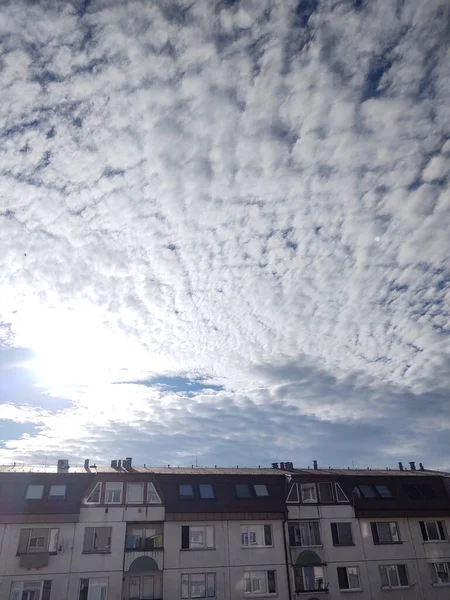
(137,533)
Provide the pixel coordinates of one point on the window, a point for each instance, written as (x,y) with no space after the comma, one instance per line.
(135,493)
(93,589)
(113,493)
(433,531)
(393,576)
(367,491)
(420,492)
(261,490)
(139,538)
(38,540)
(383,491)
(34,492)
(340,495)
(304,533)
(293,493)
(342,534)
(308,491)
(57,492)
(186,490)
(198,585)
(385,533)
(348,578)
(206,491)
(30,590)
(94,496)
(259,582)
(97,539)
(309,578)
(326,492)
(152,494)
(243,490)
(141,588)
(197,537)
(256,535)
(440,573)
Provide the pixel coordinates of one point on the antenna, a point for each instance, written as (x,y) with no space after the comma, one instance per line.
(196,460)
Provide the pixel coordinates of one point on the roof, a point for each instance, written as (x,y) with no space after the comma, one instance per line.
(175,470)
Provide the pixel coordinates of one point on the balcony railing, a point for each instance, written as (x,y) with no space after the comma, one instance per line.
(142,546)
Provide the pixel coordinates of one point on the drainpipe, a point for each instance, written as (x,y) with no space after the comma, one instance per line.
(286,555)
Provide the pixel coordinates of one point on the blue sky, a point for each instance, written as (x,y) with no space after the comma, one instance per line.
(225,231)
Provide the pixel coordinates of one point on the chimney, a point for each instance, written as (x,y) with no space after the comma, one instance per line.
(282,466)
(127,463)
(315,465)
(63,465)
(86,464)
(421,467)
(274,465)
(119,464)
(114,464)
(400,466)
(412,464)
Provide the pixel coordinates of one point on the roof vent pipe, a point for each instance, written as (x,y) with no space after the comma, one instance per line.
(119,464)
(421,467)
(86,463)
(400,466)
(412,464)
(315,464)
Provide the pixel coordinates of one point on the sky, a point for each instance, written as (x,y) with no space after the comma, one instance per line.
(225,232)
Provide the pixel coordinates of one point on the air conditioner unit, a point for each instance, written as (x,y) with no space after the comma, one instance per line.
(63,464)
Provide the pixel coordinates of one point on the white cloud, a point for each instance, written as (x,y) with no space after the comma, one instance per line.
(192,190)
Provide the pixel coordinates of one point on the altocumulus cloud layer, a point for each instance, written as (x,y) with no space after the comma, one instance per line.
(250,198)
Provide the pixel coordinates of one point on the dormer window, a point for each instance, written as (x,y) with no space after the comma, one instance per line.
(113,493)
(94,496)
(135,493)
(186,491)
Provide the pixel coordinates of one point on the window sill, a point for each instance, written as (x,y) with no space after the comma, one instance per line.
(343,545)
(313,546)
(393,589)
(351,590)
(264,595)
(439,585)
(435,541)
(255,547)
(96,552)
(196,549)
(387,544)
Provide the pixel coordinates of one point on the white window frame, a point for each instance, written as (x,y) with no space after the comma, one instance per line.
(351,589)
(304,578)
(440,539)
(251,576)
(52,540)
(394,587)
(310,528)
(333,494)
(17,588)
(294,492)
(210,576)
(32,496)
(135,484)
(152,494)
(436,582)
(249,535)
(97,485)
(97,582)
(114,486)
(340,524)
(338,490)
(393,528)
(313,488)
(208,536)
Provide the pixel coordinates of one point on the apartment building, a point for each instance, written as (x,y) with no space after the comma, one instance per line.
(138,533)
